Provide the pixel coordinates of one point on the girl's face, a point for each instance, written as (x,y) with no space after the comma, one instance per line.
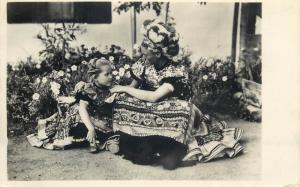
(150,55)
(105,77)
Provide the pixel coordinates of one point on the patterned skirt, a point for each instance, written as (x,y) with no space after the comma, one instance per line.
(175,119)
(65,130)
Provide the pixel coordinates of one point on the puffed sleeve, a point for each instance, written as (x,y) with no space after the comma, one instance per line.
(178,78)
(137,70)
(85,91)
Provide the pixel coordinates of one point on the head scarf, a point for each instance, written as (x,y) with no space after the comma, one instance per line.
(160,37)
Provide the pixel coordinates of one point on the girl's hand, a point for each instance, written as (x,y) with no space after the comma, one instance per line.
(91,136)
(118,89)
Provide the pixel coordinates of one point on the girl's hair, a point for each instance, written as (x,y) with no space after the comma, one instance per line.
(95,68)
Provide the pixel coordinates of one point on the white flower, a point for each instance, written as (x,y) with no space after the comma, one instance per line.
(184,104)
(67,56)
(44,80)
(68,70)
(38,80)
(167,105)
(155,37)
(224,78)
(127,75)
(175,58)
(209,62)
(111,58)
(214,75)
(61,73)
(219,65)
(68,75)
(117,77)
(126,66)
(74,68)
(55,87)
(160,107)
(205,77)
(136,46)
(38,66)
(121,72)
(36,96)
(84,62)
(115,72)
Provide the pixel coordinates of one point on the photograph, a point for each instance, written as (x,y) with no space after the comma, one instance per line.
(134,90)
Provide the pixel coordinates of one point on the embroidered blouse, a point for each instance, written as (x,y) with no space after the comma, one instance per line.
(152,78)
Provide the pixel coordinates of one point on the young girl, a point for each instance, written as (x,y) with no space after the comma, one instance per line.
(157,105)
(86,119)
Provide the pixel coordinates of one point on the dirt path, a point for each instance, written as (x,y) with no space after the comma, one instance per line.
(29,163)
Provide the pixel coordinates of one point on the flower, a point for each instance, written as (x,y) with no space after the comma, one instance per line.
(214,75)
(128,75)
(121,72)
(111,58)
(84,62)
(205,77)
(136,46)
(167,105)
(38,80)
(67,56)
(74,68)
(175,58)
(126,66)
(44,80)
(184,104)
(36,96)
(117,77)
(61,73)
(68,70)
(219,65)
(55,87)
(155,37)
(38,66)
(160,107)
(209,62)
(68,75)
(115,72)
(224,78)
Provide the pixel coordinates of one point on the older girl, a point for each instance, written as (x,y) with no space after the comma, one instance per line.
(157,105)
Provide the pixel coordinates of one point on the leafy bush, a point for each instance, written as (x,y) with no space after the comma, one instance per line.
(211,79)
(33,86)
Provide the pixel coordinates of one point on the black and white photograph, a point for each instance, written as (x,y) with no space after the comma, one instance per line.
(134,90)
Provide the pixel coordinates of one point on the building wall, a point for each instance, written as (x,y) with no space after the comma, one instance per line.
(205,29)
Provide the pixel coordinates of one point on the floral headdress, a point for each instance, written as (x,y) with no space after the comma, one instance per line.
(160,37)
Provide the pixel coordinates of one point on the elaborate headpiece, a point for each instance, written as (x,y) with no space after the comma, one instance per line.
(160,37)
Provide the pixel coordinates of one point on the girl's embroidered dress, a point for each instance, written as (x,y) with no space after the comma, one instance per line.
(173,116)
(65,128)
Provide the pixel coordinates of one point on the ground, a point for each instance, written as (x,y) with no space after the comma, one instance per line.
(29,163)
